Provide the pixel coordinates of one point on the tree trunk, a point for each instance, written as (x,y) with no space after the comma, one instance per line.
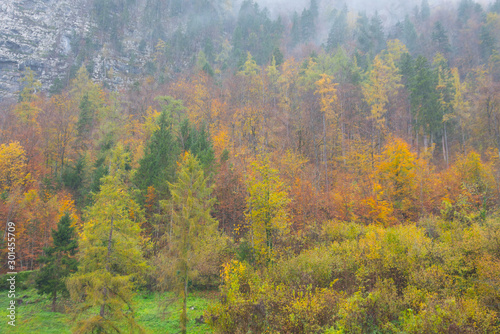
(54,299)
(463,136)
(105,290)
(184,302)
(447,157)
(324,153)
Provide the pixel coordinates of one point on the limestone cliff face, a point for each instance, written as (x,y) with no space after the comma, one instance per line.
(47,36)
(37,34)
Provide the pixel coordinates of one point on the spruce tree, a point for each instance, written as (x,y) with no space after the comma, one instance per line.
(160,154)
(59,261)
(440,38)
(197,141)
(409,34)
(338,31)
(295,33)
(308,29)
(425,11)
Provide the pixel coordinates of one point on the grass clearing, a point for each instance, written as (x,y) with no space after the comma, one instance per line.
(33,314)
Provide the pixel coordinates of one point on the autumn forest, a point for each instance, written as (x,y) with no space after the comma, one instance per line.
(350,185)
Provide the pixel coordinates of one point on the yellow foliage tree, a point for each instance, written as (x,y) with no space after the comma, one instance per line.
(396,178)
(266,211)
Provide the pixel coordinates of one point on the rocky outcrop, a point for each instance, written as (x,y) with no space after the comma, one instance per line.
(47,35)
(37,34)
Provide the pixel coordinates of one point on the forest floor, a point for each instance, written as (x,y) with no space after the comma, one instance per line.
(34,316)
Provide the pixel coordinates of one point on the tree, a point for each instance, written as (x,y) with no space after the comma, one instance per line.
(59,130)
(111,259)
(158,163)
(266,211)
(338,31)
(397,177)
(197,141)
(13,167)
(193,233)
(327,92)
(377,89)
(377,33)
(59,261)
(13,178)
(460,105)
(424,99)
(444,88)
(307,26)
(250,117)
(425,10)
(409,34)
(255,33)
(295,32)
(440,38)
(26,110)
(370,33)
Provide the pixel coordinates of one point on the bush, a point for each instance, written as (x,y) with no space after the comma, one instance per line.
(24,280)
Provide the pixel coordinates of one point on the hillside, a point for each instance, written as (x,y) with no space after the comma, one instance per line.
(311,168)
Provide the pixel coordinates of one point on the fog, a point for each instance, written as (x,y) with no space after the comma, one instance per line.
(396,9)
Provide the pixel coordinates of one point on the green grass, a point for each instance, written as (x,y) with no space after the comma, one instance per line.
(35,317)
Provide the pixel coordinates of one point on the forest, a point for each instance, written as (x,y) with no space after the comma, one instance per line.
(316,173)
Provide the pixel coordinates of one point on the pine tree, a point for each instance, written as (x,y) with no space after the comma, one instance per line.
(338,31)
(197,141)
(111,259)
(377,33)
(160,154)
(307,26)
(424,97)
(295,33)
(313,7)
(59,261)
(409,34)
(363,33)
(425,10)
(440,37)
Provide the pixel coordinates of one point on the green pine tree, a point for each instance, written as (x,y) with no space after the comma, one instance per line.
(425,10)
(59,261)
(338,31)
(197,141)
(158,163)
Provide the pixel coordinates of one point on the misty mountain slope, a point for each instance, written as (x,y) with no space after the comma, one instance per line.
(122,41)
(116,40)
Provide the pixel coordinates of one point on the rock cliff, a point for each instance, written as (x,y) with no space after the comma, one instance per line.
(37,34)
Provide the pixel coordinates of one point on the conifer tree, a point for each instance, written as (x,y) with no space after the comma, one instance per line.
(194,233)
(158,163)
(338,31)
(59,261)
(440,38)
(295,32)
(197,141)
(425,11)
(111,257)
